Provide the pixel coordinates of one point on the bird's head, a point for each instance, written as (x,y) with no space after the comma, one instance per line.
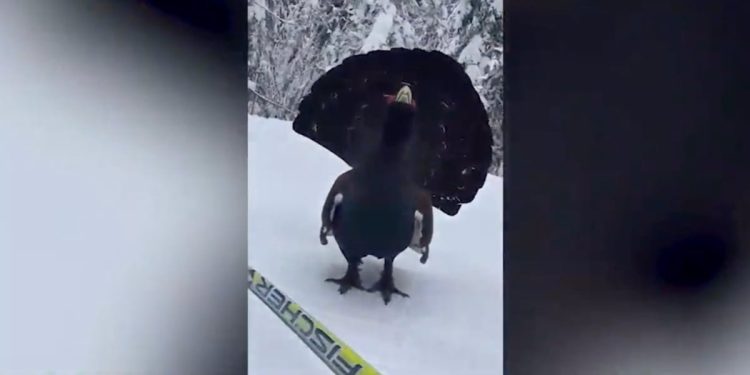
(399,117)
(402,98)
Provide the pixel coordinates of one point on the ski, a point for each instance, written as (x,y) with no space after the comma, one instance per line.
(334,352)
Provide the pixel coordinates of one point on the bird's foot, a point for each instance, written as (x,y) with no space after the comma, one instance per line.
(387,289)
(350,280)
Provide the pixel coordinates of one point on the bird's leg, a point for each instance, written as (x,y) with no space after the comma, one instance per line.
(385,285)
(351,278)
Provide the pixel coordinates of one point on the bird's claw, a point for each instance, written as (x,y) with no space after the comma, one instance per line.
(387,289)
(347,282)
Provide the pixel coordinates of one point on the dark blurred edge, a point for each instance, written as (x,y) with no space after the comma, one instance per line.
(224,20)
(222,27)
(602,101)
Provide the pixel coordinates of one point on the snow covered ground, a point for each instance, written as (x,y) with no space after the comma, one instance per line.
(452,324)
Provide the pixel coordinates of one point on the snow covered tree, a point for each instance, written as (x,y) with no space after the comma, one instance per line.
(293,42)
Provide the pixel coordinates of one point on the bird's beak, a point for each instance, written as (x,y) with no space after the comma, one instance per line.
(404,95)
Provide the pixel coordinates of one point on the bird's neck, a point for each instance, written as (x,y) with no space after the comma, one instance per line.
(397,130)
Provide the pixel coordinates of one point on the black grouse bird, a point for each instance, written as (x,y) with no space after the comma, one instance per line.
(374,208)
(407,156)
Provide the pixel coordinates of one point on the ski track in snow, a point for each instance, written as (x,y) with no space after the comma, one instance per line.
(452,324)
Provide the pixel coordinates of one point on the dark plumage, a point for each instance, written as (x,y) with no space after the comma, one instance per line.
(372,208)
(406,156)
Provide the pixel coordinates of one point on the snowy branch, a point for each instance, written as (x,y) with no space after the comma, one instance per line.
(267,100)
(259,5)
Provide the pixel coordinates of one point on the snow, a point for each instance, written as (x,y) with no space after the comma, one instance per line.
(474,62)
(380,29)
(451,324)
(462,8)
(257,10)
(472,53)
(498,6)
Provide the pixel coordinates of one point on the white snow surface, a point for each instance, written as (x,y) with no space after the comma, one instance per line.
(451,324)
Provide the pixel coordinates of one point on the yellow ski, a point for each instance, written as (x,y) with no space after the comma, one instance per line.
(335,353)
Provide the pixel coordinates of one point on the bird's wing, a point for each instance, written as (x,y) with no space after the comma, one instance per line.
(334,197)
(424,206)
